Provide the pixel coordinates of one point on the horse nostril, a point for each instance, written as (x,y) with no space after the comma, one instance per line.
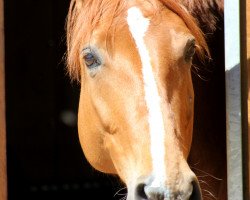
(196,194)
(140,191)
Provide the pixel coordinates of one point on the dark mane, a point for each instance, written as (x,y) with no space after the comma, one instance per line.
(85,15)
(205,11)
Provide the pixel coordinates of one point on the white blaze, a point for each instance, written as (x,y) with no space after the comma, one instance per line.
(138,26)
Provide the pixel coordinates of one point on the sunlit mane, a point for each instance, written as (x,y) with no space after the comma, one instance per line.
(85,15)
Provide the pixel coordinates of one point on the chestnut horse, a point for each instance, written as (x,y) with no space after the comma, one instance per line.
(133,60)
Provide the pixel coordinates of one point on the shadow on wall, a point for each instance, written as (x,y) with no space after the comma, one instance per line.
(237,138)
(233,104)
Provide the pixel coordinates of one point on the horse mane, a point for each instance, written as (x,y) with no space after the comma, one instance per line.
(205,11)
(84,16)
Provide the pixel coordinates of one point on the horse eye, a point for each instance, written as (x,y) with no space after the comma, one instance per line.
(190,50)
(90,59)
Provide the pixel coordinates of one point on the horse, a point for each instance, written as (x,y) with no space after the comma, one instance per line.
(133,60)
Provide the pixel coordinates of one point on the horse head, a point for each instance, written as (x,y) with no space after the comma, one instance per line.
(133,60)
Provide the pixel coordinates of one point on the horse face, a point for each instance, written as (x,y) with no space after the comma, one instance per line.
(136,104)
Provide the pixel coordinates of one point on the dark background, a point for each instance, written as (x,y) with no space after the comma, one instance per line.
(45,160)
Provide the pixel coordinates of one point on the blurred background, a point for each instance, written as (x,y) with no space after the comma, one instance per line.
(45,160)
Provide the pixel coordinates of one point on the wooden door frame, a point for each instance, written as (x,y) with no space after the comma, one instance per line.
(3,168)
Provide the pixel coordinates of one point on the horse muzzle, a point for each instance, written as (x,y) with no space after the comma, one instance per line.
(145,191)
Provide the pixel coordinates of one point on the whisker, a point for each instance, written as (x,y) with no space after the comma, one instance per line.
(197,163)
(124,198)
(121,194)
(206,173)
(204,176)
(210,194)
(203,182)
(118,192)
(197,71)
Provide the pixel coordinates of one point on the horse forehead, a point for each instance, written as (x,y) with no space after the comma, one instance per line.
(159,23)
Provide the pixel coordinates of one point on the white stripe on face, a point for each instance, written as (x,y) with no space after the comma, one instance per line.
(138,26)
